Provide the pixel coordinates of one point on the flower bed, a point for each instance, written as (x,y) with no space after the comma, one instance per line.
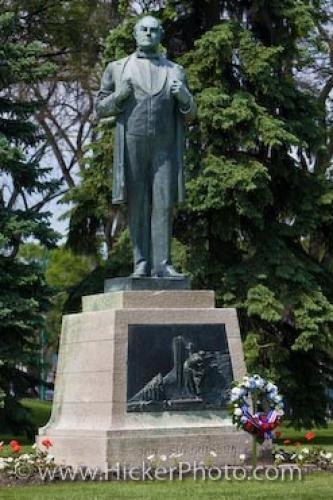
(25,467)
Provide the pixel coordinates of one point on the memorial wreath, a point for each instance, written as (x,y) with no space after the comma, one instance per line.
(267,406)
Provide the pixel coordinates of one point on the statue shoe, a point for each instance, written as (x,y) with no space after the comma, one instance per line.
(168,271)
(140,270)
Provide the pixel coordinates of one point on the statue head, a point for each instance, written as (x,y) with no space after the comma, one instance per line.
(148,33)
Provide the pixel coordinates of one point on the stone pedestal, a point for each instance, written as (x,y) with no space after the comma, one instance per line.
(91,423)
(158,284)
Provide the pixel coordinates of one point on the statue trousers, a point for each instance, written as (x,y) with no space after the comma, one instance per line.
(149,164)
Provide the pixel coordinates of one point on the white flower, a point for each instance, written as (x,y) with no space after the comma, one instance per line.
(163,458)
(178,455)
(213,453)
(150,457)
(259,381)
(10,460)
(249,382)
(238,412)
(300,457)
(293,456)
(305,451)
(25,456)
(34,446)
(242,457)
(236,392)
(252,383)
(326,455)
(278,456)
(271,387)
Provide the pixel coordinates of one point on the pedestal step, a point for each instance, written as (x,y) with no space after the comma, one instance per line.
(163,299)
(134,448)
(130,283)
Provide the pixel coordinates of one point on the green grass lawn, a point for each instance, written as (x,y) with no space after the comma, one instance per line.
(314,486)
(324,437)
(40,414)
(40,410)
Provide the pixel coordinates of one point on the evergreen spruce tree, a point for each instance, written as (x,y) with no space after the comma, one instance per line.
(254,200)
(23,292)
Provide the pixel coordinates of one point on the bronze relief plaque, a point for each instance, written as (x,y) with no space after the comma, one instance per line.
(178,367)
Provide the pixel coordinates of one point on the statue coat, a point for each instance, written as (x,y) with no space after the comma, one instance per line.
(106,106)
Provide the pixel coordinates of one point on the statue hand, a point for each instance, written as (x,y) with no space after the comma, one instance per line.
(180,92)
(124,92)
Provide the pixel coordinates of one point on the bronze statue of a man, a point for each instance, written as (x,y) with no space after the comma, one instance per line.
(150,100)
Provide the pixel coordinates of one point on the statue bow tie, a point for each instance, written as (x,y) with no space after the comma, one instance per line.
(144,55)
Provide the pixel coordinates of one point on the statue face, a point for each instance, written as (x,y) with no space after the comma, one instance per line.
(148,33)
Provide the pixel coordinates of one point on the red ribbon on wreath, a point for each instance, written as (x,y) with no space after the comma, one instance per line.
(260,425)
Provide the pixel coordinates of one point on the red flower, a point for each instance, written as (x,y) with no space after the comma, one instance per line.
(15,446)
(309,436)
(47,443)
(278,434)
(248,426)
(286,441)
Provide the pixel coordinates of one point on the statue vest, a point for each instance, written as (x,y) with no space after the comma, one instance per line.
(148,113)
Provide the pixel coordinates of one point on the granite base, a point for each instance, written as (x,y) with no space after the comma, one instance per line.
(90,424)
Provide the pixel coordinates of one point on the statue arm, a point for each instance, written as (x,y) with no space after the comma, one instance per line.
(189,111)
(106,103)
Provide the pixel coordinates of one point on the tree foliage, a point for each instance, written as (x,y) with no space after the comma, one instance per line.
(23,291)
(253,201)
(71,34)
